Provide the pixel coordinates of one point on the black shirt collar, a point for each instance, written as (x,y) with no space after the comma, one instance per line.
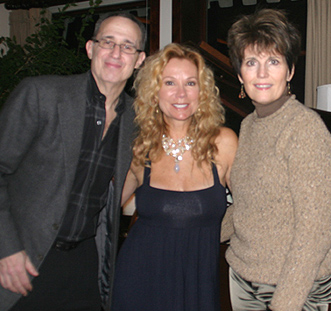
(95,97)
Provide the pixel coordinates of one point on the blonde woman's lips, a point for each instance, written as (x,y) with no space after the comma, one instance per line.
(180,106)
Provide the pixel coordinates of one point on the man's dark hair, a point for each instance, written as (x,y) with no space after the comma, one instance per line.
(131,17)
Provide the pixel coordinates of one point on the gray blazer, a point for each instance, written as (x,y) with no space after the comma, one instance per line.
(41,128)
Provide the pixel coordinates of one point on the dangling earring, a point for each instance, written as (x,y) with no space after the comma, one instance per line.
(156,105)
(242,94)
(289,88)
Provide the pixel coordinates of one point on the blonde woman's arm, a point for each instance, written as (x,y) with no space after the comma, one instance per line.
(130,185)
(227,144)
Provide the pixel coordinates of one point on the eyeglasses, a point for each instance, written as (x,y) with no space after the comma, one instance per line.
(110,45)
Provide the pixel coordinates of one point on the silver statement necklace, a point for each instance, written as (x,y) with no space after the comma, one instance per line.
(177,148)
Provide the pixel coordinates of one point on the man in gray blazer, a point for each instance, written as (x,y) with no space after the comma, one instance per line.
(65,149)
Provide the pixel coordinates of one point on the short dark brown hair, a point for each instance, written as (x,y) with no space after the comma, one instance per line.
(265,30)
(143,38)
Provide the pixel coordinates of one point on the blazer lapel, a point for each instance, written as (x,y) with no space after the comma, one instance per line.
(72,117)
(124,151)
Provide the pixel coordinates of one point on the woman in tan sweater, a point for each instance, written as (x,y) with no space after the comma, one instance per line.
(280,224)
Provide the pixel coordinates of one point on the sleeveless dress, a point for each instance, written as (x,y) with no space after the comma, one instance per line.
(170,259)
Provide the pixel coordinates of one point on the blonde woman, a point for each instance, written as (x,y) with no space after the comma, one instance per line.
(182,160)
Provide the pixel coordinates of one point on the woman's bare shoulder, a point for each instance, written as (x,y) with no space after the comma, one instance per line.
(226,137)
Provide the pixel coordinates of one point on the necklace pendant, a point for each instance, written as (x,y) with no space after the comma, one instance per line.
(176,149)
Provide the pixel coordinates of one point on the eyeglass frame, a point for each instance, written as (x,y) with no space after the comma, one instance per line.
(121,46)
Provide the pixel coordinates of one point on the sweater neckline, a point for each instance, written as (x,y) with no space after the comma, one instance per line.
(265,110)
(276,113)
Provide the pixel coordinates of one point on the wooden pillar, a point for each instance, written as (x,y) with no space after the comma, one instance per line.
(23,23)
(154,26)
(189,20)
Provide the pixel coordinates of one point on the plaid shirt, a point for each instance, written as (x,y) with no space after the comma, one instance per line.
(95,169)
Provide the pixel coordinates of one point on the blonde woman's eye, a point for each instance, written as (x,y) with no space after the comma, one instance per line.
(191,83)
(169,83)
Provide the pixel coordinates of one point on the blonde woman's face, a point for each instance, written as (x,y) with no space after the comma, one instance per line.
(264,75)
(179,92)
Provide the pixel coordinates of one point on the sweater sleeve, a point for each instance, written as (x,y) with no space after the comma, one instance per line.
(308,156)
(227,227)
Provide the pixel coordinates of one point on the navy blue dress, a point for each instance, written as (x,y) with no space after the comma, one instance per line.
(170,259)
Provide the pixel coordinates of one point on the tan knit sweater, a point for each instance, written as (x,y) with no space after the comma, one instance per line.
(281,217)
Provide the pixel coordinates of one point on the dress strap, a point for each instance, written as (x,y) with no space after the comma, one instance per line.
(215,174)
(147,174)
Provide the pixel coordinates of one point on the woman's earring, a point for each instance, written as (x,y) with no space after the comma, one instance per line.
(156,105)
(242,94)
(289,88)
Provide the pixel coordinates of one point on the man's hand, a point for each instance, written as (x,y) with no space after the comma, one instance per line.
(14,271)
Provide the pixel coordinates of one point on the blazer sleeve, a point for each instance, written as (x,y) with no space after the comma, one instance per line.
(18,129)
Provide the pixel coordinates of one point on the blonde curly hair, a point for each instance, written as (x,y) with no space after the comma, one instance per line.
(205,123)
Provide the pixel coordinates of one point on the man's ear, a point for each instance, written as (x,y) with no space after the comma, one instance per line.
(89,48)
(140,60)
